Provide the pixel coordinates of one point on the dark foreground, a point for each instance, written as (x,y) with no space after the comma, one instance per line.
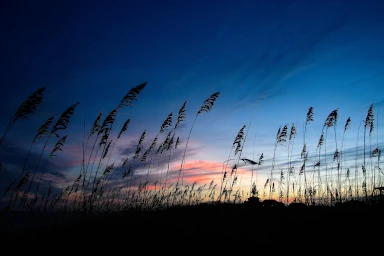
(204,223)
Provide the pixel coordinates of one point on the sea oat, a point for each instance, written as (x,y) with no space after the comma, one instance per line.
(347,123)
(29,105)
(108,121)
(181,116)
(292,133)
(167,122)
(58,146)
(124,128)
(282,136)
(331,119)
(208,103)
(96,125)
(131,96)
(63,121)
(309,115)
(43,129)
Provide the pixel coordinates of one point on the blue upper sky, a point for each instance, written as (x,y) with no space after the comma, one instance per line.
(270,60)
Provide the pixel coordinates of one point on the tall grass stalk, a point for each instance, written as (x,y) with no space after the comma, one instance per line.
(341,162)
(304,153)
(330,121)
(206,107)
(369,123)
(240,146)
(41,132)
(292,136)
(280,139)
(94,130)
(61,124)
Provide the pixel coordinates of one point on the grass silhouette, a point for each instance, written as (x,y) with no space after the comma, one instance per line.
(107,196)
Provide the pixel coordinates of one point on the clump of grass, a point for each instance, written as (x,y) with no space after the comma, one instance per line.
(61,124)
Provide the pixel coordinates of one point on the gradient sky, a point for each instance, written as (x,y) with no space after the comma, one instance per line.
(270,61)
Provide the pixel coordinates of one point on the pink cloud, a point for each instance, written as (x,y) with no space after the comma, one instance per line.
(201,172)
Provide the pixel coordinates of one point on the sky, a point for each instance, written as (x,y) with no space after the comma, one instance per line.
(270,61)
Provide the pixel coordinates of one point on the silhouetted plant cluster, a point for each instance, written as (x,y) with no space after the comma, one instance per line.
(105,186)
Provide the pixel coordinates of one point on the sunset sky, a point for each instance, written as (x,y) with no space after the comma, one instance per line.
(271,60)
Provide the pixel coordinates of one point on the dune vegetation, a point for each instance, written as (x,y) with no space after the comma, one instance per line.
(104,186)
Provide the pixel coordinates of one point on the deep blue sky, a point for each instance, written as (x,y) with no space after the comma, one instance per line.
(270,61)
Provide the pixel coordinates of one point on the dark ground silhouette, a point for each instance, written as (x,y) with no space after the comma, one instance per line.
(252,222)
